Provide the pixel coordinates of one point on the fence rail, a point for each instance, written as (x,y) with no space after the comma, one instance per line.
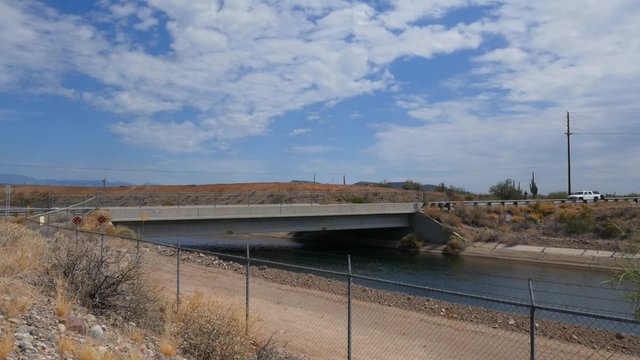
(349,324)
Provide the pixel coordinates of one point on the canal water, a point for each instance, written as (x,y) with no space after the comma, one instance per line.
(573,288)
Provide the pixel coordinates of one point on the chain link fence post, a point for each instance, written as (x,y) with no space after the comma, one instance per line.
(178,275)
(247,292)
(349,281)
(532,325)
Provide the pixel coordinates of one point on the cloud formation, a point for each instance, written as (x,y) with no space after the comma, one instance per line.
(240,64)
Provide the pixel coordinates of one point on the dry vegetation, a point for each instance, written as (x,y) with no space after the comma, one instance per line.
(76,276)
(603,226)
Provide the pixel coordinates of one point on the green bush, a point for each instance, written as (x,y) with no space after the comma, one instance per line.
(410,242)
(580,223)
(610,230)
(358,199)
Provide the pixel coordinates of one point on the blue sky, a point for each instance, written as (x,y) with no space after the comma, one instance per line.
(465,92)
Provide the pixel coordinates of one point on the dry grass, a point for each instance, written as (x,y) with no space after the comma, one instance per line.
(208,330)
(136,335)
(87,352)
(167,347)
(110,355)
(23,251)
(17,305)
(6,344)
(63,305)
(65,346)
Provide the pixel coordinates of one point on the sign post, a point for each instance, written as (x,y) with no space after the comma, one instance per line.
(77,220)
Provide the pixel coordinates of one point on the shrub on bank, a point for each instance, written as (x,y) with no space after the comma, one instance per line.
(410,242)
(455,245)
(107,280)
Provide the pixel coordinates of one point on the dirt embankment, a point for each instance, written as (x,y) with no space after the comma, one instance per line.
(254,193)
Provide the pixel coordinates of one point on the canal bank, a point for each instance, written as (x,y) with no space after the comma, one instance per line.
(596,259)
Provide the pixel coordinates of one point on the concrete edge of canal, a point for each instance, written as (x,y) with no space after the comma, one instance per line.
(547,255)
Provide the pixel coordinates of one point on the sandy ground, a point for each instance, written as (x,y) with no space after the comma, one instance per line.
(314,323)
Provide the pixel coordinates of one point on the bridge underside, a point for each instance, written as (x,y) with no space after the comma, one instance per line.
(283,224)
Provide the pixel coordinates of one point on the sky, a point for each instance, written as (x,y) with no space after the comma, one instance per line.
(462,92)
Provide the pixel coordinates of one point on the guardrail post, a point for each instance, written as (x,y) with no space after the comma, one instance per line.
(349,281)
(532,325)
(247,293)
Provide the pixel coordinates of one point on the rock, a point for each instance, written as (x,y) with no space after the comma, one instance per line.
(91,318)
(26,329)
(23,337)
(263,267)
(575,338)
(96,332)
(619,336)
(75,324)
(61,328)
(511,322)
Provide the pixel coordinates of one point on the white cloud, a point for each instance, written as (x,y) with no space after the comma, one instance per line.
(310,149)
(239,64)
(300,131)
(174,137)
(557,57)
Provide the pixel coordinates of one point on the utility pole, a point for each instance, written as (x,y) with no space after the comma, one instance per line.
(568,133)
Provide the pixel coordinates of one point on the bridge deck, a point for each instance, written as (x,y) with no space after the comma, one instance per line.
(168,213)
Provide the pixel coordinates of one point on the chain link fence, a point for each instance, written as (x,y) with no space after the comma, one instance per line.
(328,314)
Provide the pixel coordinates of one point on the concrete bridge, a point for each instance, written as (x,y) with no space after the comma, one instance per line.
(202,220)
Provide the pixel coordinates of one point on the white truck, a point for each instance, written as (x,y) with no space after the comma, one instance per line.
(585,195)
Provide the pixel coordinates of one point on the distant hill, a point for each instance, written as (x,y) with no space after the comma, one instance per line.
(395,185)
(15,179)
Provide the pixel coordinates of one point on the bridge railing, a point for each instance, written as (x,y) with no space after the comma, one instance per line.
(344,314)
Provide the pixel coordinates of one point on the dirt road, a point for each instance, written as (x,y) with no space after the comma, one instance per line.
(314,323)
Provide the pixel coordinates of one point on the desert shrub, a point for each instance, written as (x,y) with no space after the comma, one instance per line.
(450,219)
(124,231)
(473,216)
(410,242)
(432,212)
(209,330)
(271,351)
(535,217)
(107,280)
(516,219)
(610,230)
(90,220)
(358,199)
(455,245)
(577,222)
(486,235)
(543,209)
